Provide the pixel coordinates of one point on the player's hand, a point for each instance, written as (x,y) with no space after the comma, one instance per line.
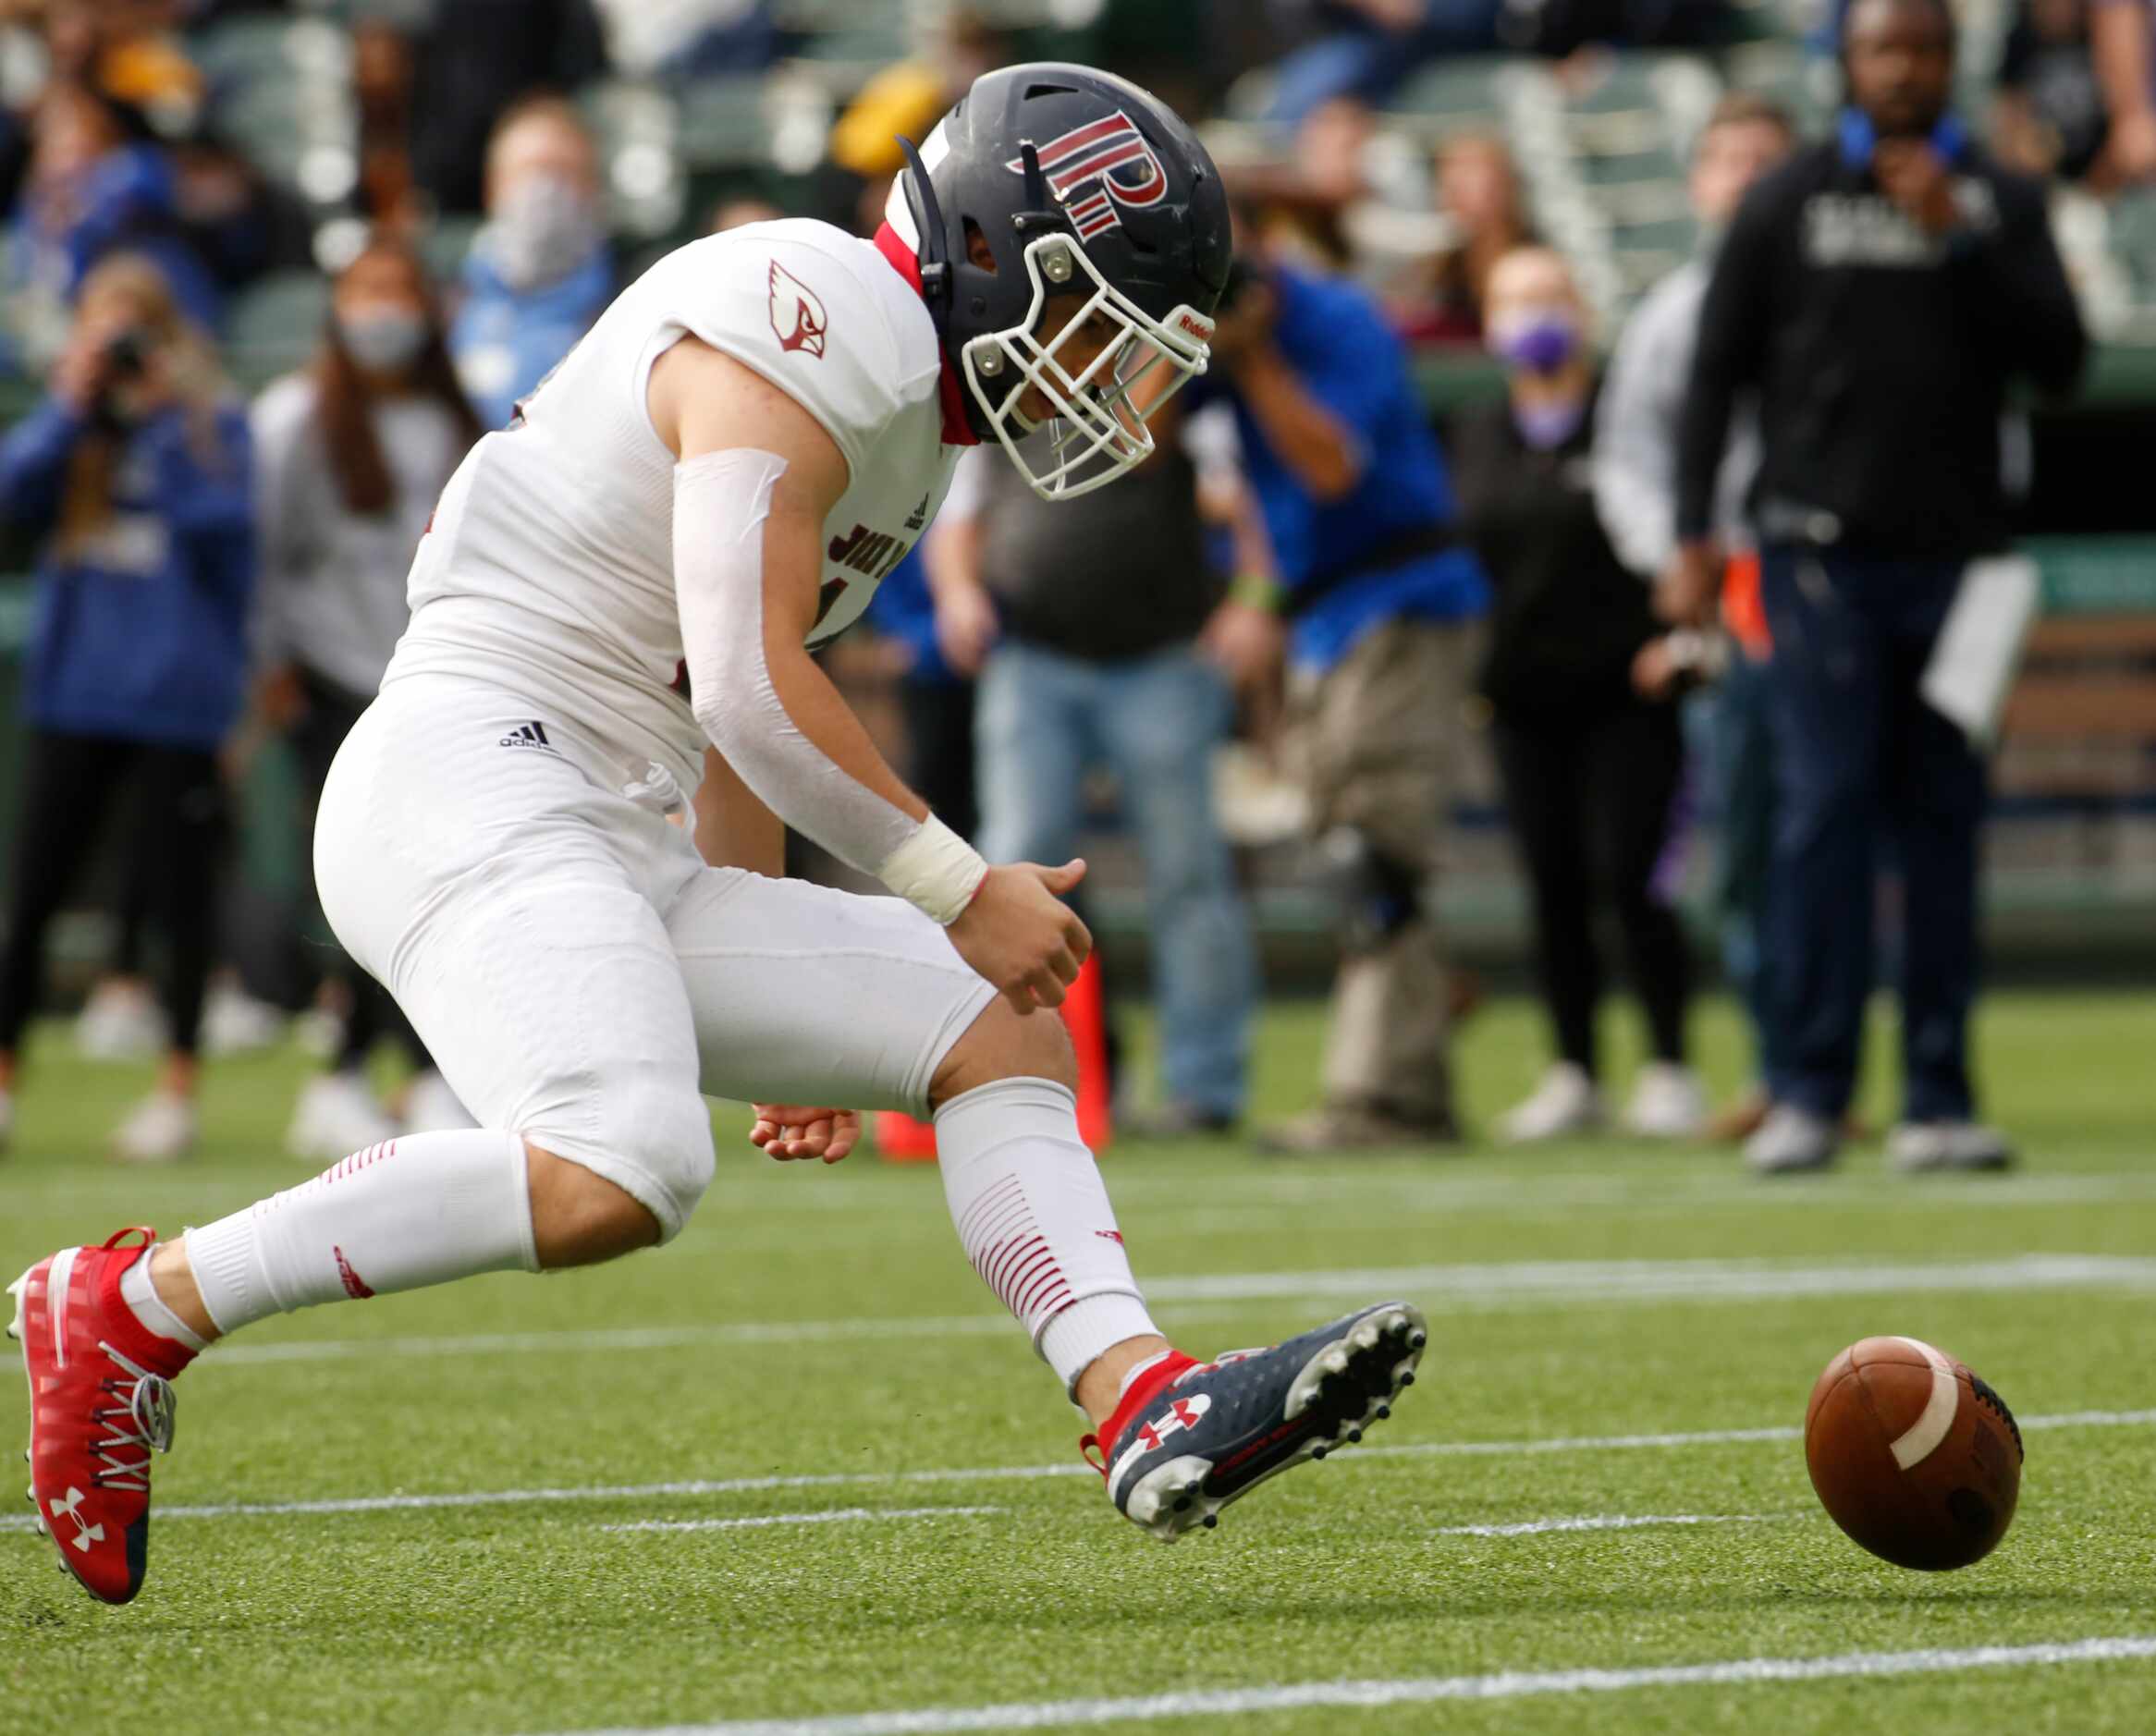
(1684,594)
(966,627)
(1913,175)
(1018,934)
(280,697)
(791,1132)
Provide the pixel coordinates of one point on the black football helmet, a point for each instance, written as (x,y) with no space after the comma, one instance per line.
(1076,182)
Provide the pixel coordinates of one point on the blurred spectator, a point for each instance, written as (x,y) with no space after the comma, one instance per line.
(910,97)
(134,471)
(1590,769)
(740,211)
(1084,664)
(2048,112)
(1478,190)
(123,49)
(936,702)
(349,459)
(1636,491)
(1879,292)
(473,60)
(542,269)
(96,186)
(1368,47)
(688,39)
(1380,602)
(2119,39)
(235,222)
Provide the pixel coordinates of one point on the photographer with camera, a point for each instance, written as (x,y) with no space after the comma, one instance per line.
(134,474)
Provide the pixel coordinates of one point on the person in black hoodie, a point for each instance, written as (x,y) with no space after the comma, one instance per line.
(1879,293)
(1590,768)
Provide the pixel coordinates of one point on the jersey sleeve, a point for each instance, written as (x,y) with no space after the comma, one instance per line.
(807,324)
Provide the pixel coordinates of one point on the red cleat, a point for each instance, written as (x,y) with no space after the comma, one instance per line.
(99,1401)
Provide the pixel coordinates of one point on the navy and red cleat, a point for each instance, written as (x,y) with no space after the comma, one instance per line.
(1189,1438)
(100,1399)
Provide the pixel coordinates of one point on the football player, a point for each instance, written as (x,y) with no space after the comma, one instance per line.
(708,486)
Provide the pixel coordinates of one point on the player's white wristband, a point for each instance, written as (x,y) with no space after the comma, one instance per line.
(936,870)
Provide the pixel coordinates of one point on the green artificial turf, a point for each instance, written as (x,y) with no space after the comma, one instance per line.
(820,1324)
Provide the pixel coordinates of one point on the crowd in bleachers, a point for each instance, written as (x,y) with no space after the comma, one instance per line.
(385,220)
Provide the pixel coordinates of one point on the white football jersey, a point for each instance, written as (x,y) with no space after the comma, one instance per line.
(549,567)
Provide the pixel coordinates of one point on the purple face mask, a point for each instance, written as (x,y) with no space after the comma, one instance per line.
(1542,343)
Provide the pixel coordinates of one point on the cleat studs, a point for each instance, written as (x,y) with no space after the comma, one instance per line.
(1211,1520)
(43,1530)
(1417,1339)
(1383,1412)
(1319,1453)
(1407,1379)
(1182,1504)
(1354,1434)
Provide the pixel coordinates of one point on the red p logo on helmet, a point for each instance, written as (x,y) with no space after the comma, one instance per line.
(1095,153)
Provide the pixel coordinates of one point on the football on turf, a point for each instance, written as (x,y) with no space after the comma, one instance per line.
(1912,1454)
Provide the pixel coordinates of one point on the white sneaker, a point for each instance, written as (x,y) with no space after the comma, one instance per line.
(337,1114)
(160,1130)
(1916,1147)
(120,1021)
(1667,1103)
(233,1023)
(1565,1101)
(430,1106)
(1790,1141)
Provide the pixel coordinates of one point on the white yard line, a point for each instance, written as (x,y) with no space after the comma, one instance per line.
(1502,1287)
(836,1516)
(1220,1702)
(1610,1521)
(1018,1474)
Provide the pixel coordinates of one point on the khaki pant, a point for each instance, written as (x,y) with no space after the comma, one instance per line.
(1378,740)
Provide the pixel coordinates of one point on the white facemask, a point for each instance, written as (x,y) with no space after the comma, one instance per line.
(381,343)
(546,228)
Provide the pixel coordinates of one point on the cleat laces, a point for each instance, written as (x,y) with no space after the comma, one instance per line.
(144,1419)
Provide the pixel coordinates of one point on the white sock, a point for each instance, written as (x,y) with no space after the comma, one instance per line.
(1033,1218)
(140,1295)
(399,1216)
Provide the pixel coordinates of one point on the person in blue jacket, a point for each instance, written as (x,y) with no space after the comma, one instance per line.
(1381,599)
(541,269)
(93,189)
(134,474)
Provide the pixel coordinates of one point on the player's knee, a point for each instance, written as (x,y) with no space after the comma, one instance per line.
(578,1216)
(1004,1043)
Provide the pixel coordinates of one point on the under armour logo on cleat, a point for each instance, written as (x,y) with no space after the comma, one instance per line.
(1115,1235)
(85,1533)
(354,1285)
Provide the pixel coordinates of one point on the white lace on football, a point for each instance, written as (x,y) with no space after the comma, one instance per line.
(1099,413)
(149,1410)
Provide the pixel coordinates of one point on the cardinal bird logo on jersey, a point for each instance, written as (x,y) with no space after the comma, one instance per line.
(797,317)
(1112,152)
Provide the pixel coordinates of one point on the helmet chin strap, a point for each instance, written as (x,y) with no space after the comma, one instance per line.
(930,251)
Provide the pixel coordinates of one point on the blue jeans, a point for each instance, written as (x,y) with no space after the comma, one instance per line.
(1863,761)
(1045,720)
(1740,756)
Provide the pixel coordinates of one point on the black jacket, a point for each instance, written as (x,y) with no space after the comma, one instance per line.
(1566,616)
(1881,356)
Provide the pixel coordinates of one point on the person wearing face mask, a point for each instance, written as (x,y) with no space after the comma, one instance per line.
(540,269)
(133,475)
(1590,768)
(350,457)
